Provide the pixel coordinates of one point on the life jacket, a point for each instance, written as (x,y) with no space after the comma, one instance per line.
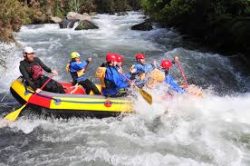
(100,73)
(37,72)
(154,77)
(80,73)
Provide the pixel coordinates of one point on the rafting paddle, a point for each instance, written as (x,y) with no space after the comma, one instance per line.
(14,115)
(181,71)
(145,95)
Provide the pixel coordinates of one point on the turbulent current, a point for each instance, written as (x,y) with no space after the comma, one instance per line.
(213,130)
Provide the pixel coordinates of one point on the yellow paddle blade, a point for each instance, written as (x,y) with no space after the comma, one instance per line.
(146,96)
(14,115)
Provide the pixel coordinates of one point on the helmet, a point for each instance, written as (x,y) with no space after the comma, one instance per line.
(139,56)
(28,50)
(74,55)
(111,57)
(119,58)
(166,64)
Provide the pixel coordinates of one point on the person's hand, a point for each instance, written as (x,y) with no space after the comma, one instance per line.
(132,83)
(133,70)
(89,59)
(120,70)
(176,58)
(54,72)
(38,90)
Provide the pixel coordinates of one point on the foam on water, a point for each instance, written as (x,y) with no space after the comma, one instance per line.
(189,131)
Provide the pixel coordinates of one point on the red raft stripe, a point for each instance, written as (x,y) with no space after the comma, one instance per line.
(40,101)
(69,88)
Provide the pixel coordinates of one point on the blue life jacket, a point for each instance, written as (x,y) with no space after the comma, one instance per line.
(74,67)
(114,82)
(173,84)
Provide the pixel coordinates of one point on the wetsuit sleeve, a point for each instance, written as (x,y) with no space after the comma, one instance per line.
(46,68)
(26,76)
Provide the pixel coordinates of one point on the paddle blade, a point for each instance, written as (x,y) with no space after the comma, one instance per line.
(146,96)
(14,115)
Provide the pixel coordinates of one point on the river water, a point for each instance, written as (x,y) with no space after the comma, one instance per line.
(214,130)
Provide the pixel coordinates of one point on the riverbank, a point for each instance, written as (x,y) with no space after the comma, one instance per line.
(221,25)
(16,13)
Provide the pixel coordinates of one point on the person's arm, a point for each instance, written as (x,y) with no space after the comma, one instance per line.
(26,76)
(120,81)
(46,68)
(148,68)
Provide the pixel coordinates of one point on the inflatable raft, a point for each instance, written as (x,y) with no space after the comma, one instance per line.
(68,105)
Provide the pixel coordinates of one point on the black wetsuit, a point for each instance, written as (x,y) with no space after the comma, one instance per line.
(26,70)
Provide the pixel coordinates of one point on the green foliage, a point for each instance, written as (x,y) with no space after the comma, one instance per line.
(12,15)
(222,23)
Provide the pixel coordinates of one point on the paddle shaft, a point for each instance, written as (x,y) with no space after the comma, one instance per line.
(46,82)
(147,97)
(14,115)
(182,72)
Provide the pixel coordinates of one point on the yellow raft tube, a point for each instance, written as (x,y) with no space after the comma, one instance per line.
(67,105)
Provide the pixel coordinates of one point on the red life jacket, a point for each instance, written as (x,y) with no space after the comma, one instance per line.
(36,71)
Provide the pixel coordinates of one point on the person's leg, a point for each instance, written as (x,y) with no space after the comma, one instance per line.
(85,86)
(93,87)
(51,86)
(88,86)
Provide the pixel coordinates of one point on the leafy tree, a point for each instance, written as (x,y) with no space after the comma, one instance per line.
(12,15)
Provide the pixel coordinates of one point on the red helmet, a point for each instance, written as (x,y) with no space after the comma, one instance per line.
(111,57)
(166,64)
(139,56)
(119,58)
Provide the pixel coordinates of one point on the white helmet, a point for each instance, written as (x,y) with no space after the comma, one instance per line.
(28,50)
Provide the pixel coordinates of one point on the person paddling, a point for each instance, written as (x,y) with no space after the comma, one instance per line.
(166,66)
(115,84)
(77,70)
(140,69)
(32,70)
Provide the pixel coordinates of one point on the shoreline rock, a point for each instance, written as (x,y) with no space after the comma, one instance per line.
(144,26)
(77,16)
(55,19)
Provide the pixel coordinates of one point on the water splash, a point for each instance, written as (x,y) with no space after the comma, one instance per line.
(196,131)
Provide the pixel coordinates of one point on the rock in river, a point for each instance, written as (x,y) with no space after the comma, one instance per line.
(145,26)
(85,25)
(55,19)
